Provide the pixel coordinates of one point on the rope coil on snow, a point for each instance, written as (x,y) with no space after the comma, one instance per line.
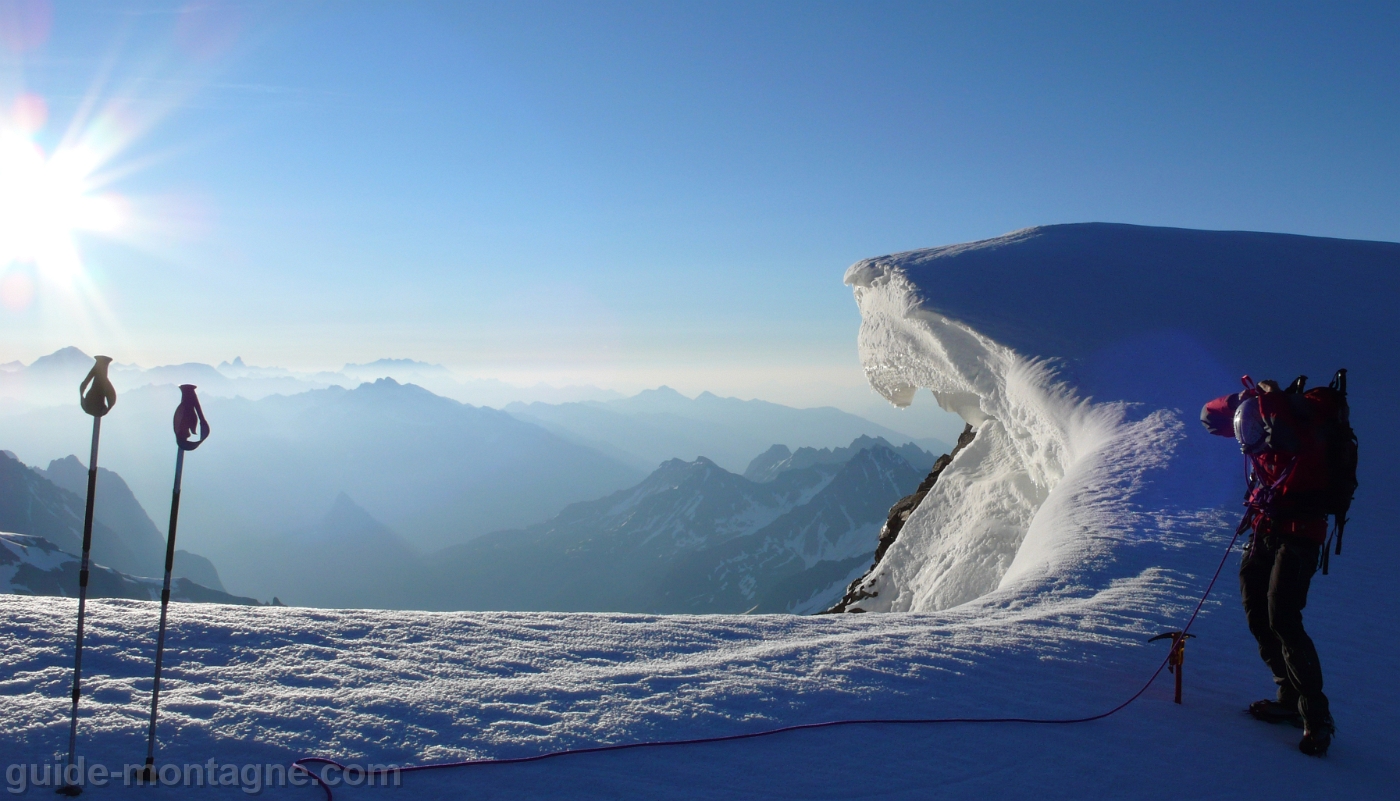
(301,764)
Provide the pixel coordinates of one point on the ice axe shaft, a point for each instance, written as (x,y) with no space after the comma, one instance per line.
(96,396)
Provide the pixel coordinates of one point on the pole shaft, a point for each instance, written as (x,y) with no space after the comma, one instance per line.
(82,591)
(164,604)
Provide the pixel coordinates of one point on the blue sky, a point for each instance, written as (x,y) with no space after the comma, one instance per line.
(630,194)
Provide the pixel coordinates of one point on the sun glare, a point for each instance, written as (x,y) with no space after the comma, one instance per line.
(45,201)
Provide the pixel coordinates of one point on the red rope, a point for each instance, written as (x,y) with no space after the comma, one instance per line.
(301,764)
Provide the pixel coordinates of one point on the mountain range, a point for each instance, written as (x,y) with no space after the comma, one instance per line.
(52,379)
(51,504)
(390,469)
(436,470)
(691,538)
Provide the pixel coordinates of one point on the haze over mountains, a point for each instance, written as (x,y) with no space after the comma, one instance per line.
(437,470)
(661,424)
(41,530)
(51,503)
(387,474)
(50,380)
(691,538)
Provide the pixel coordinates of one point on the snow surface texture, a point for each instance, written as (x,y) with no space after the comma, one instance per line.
(1099,524)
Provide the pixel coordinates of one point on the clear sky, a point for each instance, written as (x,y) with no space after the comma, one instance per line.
(630,194)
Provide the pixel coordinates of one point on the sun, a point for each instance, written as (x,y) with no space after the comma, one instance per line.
(46,200)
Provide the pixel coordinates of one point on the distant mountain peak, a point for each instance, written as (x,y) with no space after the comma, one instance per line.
(352,529)
(387,388)
(70,474)
(61,359)
(763,464)
(395,364)
(346,514)
(677,473)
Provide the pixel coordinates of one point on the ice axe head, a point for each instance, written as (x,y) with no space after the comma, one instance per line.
(187,416)
(96,393)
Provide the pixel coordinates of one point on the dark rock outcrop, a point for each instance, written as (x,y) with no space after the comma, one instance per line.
(899,514)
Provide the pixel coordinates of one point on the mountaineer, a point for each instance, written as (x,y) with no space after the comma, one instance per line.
(1301,455)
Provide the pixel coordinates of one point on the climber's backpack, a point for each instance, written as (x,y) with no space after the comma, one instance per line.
(1312,430)
(1331,422)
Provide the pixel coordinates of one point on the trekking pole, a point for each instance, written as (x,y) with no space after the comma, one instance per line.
(97,397)
(187,415)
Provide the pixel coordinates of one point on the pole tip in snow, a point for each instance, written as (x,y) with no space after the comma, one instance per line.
(144,775)
(96,393)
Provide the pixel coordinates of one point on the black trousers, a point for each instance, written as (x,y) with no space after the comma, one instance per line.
(1274,578)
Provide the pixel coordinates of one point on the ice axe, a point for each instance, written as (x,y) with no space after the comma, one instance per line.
(188,416)
(1176,660)
(97,396)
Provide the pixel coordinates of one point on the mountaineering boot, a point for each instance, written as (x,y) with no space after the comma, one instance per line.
(1317,739)
(1271,711)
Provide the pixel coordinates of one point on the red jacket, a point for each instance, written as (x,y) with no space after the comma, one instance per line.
(1291,475)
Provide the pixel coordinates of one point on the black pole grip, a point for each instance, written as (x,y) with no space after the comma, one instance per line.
(96,394)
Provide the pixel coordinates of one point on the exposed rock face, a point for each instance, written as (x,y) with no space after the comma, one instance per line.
(899,513)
